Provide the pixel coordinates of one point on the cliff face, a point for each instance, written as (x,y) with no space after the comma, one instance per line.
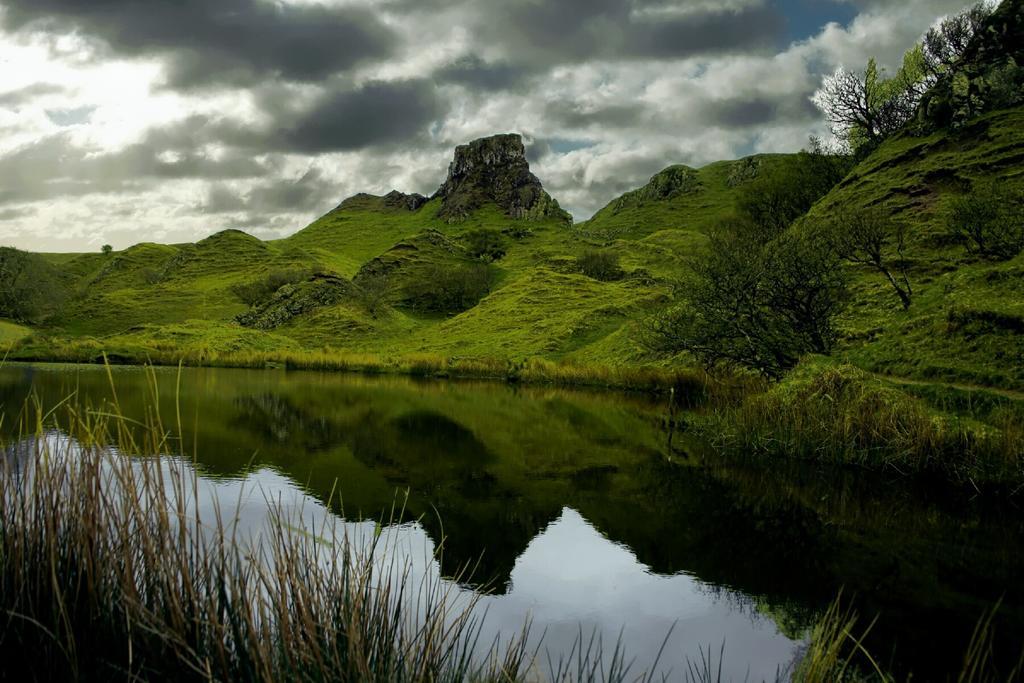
(495,169)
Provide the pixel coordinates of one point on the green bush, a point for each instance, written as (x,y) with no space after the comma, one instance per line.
(30,288)
(989,222)
(447,289)
(485,244)
(755,305)
(599,264)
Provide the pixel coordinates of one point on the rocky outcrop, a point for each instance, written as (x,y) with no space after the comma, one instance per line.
(668,184)
(990,74)
(297,299)
(393,201)
(495,169)
(400,200)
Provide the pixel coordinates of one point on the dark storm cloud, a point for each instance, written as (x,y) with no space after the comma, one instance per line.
(580,30)
(55,167)
(336,120)
(222,41)
(375,113)
(755,110)
(310,192)
(12,99)
(476,74)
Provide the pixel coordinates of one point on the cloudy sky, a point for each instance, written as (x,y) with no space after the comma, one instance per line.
(167,120)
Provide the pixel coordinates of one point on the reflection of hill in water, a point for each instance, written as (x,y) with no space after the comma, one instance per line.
(490,468)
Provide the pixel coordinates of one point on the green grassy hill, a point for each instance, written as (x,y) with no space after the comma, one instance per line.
(160,300)
(966,323)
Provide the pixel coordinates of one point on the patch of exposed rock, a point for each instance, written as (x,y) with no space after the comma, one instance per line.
(672,182)
(495,169)
(297,299)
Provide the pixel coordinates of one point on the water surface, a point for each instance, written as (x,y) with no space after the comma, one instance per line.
(575,510)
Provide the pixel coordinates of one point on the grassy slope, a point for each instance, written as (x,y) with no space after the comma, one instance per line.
(968,313)
(12,332)
(156,297)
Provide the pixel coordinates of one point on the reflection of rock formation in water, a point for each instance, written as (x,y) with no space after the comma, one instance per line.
(484,524)
(276,419)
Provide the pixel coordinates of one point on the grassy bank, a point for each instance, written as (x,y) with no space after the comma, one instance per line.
(692,385)
(839,414)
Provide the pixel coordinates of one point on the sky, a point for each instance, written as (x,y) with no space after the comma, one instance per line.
(124,121)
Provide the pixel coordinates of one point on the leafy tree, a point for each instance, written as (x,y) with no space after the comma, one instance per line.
(486,245)
(868,237)
(783,193)
(756,304)
(946,42)
(106,249)
(864,108)
(599,264)
(989,222)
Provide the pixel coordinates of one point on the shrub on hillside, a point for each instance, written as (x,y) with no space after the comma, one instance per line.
(486,245)
(754,304)
(599,264)
(873,238)
(254,292)
(989,222)
(447,289)
(372,292)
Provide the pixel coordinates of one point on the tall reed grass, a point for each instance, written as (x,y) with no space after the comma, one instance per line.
(843,415)
(108,571)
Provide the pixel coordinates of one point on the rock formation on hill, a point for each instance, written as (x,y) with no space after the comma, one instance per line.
(495,169)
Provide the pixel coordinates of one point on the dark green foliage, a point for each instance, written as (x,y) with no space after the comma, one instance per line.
(29,286)
(106,249)
(754,304)
(868,237)
(786,191)
(449,289)
(485,244)
(599,264)
(372,292)
(256,291)
(989,222)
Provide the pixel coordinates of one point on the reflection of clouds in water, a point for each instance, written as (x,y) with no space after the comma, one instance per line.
(571,577)
(569,580)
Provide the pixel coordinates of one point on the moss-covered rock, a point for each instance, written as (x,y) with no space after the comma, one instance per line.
(293,300)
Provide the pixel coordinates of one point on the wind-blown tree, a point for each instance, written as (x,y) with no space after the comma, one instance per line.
(870,237)
(946,42)
(989,221)
(754,304)
(864,107)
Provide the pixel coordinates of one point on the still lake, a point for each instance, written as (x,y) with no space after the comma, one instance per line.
(580,512)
